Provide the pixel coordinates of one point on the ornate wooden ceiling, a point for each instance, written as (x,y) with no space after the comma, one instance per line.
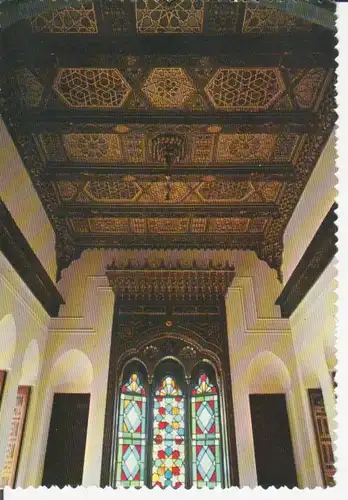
(249,91)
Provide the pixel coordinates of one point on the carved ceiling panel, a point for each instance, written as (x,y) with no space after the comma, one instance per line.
(134,147)
(168,87)
(163,226)
(246,91)
(91,87)
(70,20)
(240,89)
(169,16)
(196,85)
(270,20)
(132,190)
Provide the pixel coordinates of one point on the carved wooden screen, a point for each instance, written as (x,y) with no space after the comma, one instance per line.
(14,442)
(151,335)
(323,436)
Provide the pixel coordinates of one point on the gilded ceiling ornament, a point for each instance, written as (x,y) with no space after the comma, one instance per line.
(214,129)
(286,146)
(228,191)
(169,16)
(309,87)
(30,89)
(121,129)
(245,148)
(228,225)
(270,20)
(67,189)
(198,225)
(168,87)
(91,87)
(81,20)
(52,147)
(202,148)
(133,146)
(269,190)
(168,226)
(257,225)
(138,226)
(93,148)
(111,191)
(245,89)
(157,192)
(109,225)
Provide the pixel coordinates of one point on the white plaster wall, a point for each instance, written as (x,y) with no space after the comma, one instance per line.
(252,338)
(23,333)
(22,200)
(76,360)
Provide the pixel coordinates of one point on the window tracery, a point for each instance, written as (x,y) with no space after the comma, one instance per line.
(169,434)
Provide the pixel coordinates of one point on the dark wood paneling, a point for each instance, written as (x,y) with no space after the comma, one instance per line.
(313,263)
(66,443)
(322,435)
(20,255)
(272,441)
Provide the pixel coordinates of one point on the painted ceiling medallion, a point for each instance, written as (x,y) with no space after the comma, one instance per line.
(91,87)
(169,16)
(245,89)
(168,87)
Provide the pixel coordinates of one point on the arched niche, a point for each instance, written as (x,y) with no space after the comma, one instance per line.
(8,339)
(30,364)
(72,372)
(267,374)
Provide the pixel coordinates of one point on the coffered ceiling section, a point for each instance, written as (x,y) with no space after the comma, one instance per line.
(95,96)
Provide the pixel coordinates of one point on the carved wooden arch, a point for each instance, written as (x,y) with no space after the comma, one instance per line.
(189,348)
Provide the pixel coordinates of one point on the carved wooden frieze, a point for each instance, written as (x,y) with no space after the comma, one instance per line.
(163,283)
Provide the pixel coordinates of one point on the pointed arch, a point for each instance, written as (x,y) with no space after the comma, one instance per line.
(131,426)
(206,428)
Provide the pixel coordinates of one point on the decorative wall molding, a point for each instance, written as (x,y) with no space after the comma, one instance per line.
(249,322)
(314,261)
(23,259)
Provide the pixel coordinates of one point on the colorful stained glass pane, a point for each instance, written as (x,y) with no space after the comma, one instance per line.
(130,467)
(133,385)
(206,452)
(168,454)
(168,387)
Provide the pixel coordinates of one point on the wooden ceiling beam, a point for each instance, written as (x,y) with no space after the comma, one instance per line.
(71,171)
(53,120)
(308,49)
(169,211)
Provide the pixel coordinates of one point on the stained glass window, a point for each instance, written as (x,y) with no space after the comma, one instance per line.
(168,452)
(206,453)
(130,468)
